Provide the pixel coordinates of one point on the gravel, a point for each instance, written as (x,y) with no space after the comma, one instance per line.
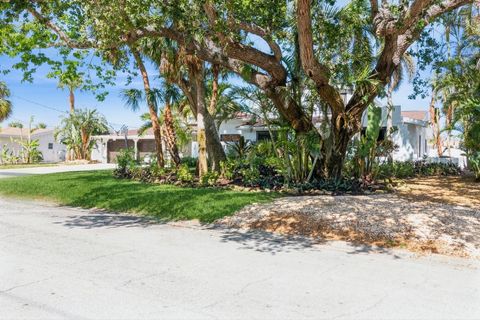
(385,220)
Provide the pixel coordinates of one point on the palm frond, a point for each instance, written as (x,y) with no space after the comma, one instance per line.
(132,98)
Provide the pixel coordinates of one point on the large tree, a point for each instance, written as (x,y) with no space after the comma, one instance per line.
(358,46)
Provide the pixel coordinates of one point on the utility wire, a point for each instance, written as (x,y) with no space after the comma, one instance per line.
(60,111)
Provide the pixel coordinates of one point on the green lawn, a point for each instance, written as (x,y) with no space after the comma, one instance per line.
(99,189)
(33,165)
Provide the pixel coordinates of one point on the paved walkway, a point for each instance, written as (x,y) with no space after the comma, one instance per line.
(7,173)
(66,263)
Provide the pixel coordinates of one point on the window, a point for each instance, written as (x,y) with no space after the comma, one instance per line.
(50,146)
(230,137)
(426,146)
(265,135)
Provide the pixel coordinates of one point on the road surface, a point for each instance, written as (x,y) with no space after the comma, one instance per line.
(68,263)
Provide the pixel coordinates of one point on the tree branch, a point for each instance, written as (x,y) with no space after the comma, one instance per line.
(314,70)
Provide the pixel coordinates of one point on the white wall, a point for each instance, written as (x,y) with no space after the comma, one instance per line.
(56,154)
(99,151)
(407,137)
(58,151)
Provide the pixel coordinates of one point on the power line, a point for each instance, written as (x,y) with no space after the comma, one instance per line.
(60,111)
(40,104)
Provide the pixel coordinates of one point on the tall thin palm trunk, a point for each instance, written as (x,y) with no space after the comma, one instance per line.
(170,135)
(152,110)
(72,100)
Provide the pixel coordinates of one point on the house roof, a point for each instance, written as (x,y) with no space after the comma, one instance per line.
(416,115)
(18,132)
(134,132)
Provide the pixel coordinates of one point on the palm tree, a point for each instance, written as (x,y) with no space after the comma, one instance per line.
(5,104)
(171,97)
(77,129)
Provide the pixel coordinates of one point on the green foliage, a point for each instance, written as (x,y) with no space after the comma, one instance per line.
(410,169)
(239,148)
(30,152)
(365,149)
(184,174)
(5,103)
(76,130)
(99,189)
(190,162)
(210,178)
(126,159)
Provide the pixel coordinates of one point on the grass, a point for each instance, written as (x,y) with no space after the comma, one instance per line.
(32,165)
(98,189)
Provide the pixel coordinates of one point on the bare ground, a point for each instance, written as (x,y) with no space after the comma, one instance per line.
(438,215)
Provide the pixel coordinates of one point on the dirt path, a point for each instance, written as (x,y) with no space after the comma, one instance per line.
(463,190)
(437,215)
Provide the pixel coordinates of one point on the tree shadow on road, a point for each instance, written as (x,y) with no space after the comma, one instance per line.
(104,219)
(273,243)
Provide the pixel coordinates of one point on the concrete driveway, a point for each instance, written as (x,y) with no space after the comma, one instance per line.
(7,173)
(67,263)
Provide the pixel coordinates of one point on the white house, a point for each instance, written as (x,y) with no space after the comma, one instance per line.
(413,137)
(51,150)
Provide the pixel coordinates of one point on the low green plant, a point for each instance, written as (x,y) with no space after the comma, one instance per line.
(184,174)
(474,163)
(191,162)
(209,178)
(126,159)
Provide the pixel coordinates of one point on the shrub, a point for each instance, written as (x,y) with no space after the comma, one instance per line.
(409,169)
(210,178)
(184,174)
(126,158)
(190,162)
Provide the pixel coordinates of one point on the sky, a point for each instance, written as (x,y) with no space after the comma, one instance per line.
(43,100)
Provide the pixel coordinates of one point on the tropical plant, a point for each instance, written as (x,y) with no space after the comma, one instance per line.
(5,103)
(174,132)
(76,130)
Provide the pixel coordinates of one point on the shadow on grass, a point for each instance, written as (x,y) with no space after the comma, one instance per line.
(161,202)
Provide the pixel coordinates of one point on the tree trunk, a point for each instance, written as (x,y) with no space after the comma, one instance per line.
(170,135)
(72,101)
(390,109)
(207,134)
(152,110)
(215,150)
(197,72)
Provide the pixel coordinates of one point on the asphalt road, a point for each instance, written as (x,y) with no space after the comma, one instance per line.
(66,263)
(15,172)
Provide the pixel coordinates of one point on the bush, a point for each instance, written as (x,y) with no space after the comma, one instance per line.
(410,169)
(184,174)
(190,162)
(210,178)
(126,158)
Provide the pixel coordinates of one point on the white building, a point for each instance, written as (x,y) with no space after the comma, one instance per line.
(413,137)
(51,150)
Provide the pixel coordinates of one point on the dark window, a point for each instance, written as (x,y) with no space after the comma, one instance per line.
(230,137)
(426,146)
(265,135)
(381,134)
(50,146)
